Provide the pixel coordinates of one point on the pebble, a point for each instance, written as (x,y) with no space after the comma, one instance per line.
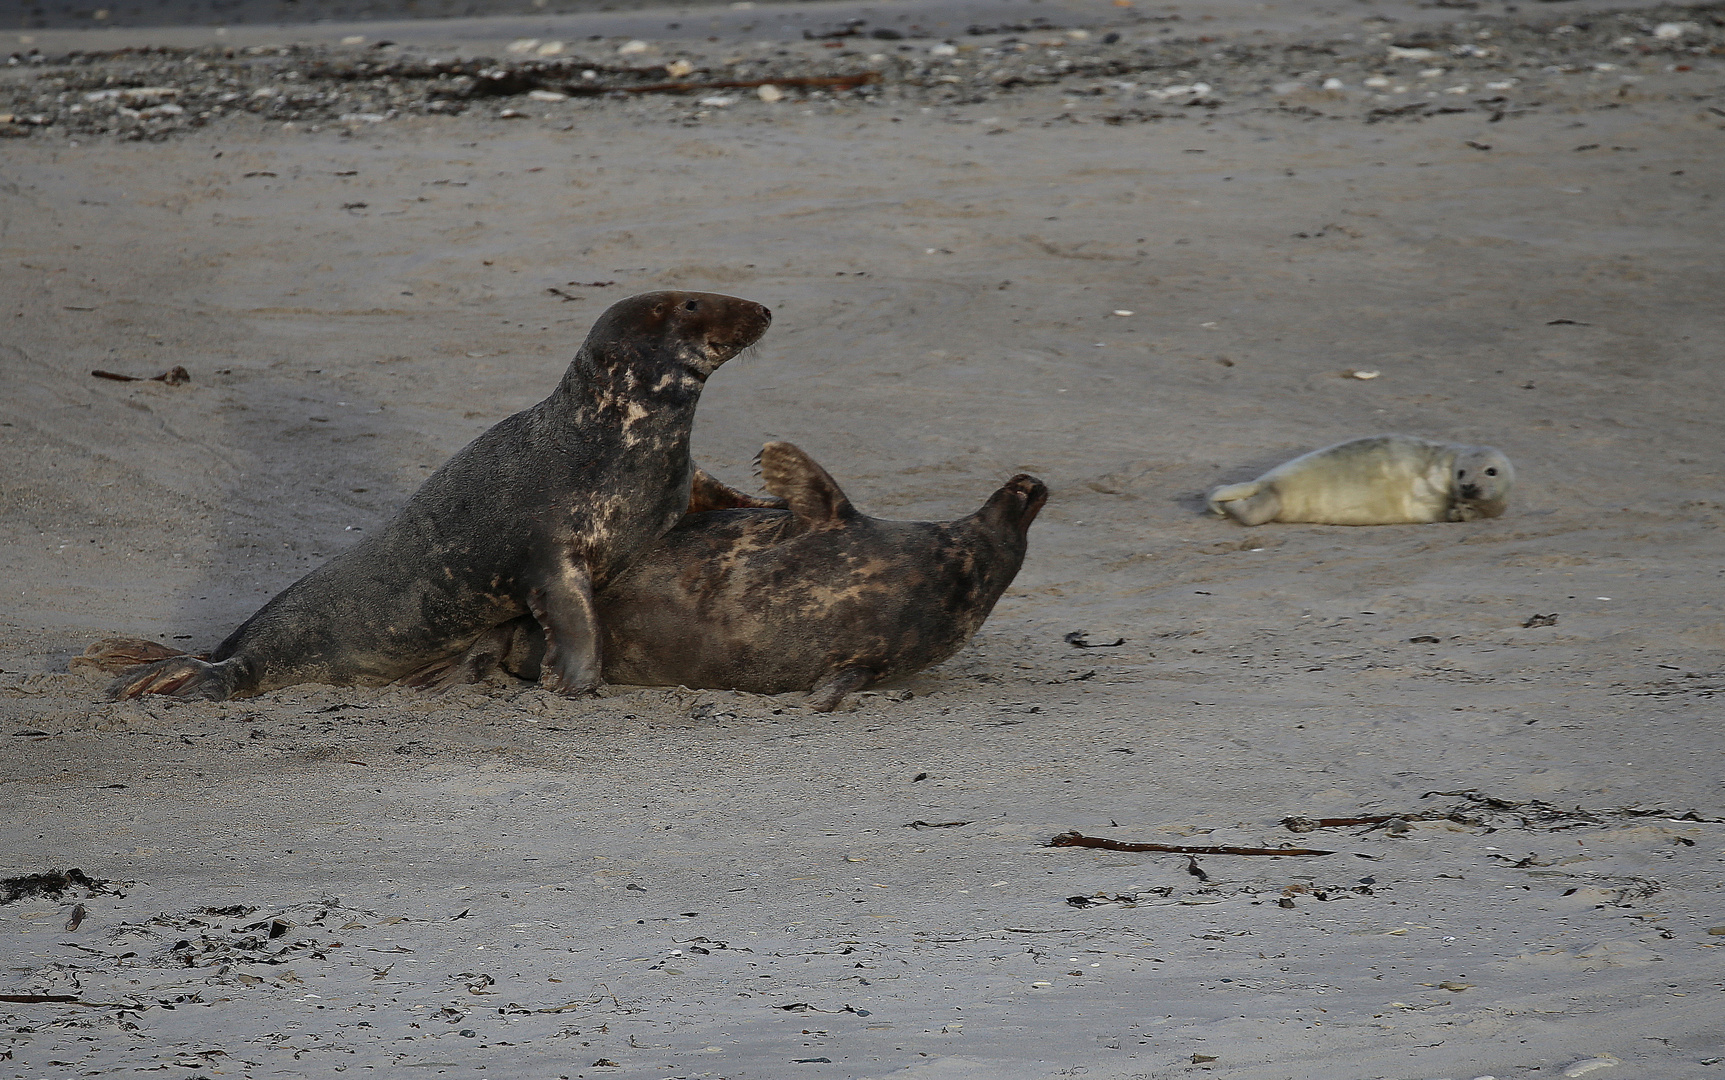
(769,93)
(1587,1065)
(633,48)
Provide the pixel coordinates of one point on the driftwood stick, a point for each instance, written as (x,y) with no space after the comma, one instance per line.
(1078,839)
(60,999)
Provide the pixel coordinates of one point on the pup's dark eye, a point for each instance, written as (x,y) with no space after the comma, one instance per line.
(1461,474)
(691,305)
(1491,472)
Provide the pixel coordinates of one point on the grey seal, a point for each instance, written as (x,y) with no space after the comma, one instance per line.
(531,518)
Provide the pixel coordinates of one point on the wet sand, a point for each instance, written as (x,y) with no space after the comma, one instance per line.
(704,884)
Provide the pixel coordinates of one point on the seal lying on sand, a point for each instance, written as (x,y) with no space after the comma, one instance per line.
(816,596)
(1380,480)
(533,516)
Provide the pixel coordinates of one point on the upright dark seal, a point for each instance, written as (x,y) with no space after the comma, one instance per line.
(532,517)
(816,596)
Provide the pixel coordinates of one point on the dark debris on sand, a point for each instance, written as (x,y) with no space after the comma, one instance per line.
(1500,67)
(54,883)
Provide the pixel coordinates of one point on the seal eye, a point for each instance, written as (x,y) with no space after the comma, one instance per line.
(1491,472)
(692,305)
(1461,474)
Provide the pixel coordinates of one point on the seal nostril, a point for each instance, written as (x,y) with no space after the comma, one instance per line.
(692,305)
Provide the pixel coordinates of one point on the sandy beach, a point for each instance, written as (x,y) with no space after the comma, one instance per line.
(1135,268)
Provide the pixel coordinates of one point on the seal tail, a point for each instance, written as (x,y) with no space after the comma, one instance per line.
(177,676)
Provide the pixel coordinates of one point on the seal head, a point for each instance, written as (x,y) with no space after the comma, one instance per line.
(1483,477)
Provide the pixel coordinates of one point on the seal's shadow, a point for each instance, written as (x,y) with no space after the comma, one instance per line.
(305,479)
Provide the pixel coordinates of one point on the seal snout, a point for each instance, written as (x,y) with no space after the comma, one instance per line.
(1017,502)
(724,325)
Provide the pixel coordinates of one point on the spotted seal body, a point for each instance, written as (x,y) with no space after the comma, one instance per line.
(1379,480)
(816,596)
(530,518)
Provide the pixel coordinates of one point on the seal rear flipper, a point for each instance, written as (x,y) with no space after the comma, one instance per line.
(565,611)
(181,677)
(707,492)
(117,654)
(812,495)
(825,697)
(1249,503)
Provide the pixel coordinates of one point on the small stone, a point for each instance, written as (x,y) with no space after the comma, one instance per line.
(523,45)
(550,48)
(633,48)
(1335,84)
(769,93)
(547,95)
(679,68)
(1587,1065)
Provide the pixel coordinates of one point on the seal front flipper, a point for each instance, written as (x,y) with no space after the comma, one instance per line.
(811,494)
(517,647)
(1250,503)
(706,492)
(564,609)
(826,696)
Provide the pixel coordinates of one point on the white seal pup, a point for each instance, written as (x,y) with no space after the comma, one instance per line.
(1378,480)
